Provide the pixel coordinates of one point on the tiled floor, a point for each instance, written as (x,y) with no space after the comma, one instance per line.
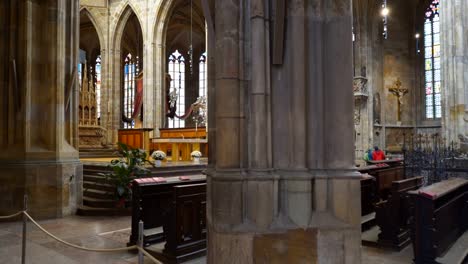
(107,232)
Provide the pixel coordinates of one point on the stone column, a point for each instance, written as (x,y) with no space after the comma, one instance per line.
(282,187)
(364,70)
(454,40)
(38,157)
(150,93)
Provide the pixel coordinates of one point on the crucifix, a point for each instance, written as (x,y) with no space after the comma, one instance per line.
(399,92)
(278,37)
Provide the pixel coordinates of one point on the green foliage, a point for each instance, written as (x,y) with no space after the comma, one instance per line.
(130,166)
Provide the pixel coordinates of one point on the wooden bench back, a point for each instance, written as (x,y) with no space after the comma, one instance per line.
(440,218)
(151,202)
(185,226)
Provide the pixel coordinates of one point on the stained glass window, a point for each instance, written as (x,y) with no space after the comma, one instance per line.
(80,74)
(203,76)
(130,72)
(432,67)
(177,71)
(97,85)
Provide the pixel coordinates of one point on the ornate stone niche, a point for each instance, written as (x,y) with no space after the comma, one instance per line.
(90,132)
(360,97)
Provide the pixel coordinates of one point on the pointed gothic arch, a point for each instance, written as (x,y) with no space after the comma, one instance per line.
(161,52)
(85,11)
(117,65)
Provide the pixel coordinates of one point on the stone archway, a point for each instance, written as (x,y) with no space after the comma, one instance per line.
(160,28)
(116,55)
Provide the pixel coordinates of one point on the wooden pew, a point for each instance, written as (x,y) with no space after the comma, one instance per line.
(440,218)
(151,200)
(185,224)
(392,214)
(385,172)
(368,197)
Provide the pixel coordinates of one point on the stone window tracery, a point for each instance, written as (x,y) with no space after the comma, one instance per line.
(130,72)
(97,85)
(177,71)
(203,76)
(432,67)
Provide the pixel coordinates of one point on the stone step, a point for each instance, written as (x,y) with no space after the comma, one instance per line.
(95,178)
(92,211)
(94,171)
(100,186)
(97,156)
(102,203)
(98,194)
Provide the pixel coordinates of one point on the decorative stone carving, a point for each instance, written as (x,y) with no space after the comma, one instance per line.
(90,132)
(360,88)
(463,143)
(360,97)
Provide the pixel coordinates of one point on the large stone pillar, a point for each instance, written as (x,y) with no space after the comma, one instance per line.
(39,112)
(454,40)
(364,72)
(282,186)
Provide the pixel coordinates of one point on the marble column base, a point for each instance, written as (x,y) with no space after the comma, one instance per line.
(54,189)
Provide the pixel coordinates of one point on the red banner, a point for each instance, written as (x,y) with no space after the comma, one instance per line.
(138,96)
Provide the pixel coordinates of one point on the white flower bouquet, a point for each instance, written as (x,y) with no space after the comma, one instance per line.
(196,154)
(158,155)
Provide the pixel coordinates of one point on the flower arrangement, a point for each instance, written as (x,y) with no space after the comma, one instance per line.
(158,155)
(128,167)
(196,154)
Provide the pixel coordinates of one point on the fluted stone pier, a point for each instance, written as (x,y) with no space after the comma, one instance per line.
(39,108)
(454,54)
(281,185)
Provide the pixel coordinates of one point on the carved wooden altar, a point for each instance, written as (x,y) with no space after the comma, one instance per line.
(90,132)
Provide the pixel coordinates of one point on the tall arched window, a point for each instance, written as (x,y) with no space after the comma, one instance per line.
(80,74)
(177,71)
(432,67)
(130,72)
(202,87)
(97,85)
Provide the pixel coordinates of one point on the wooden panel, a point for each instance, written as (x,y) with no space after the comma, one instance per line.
(368,195)
(392,215)
(183,132)
(385,178)
(151,202)
(135,138)
(184,226)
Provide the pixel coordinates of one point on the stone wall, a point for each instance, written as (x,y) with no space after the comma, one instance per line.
(383,62)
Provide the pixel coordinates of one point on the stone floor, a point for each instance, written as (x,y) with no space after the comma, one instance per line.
(107,232)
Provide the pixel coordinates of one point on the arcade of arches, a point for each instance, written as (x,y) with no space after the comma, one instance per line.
(268,85)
